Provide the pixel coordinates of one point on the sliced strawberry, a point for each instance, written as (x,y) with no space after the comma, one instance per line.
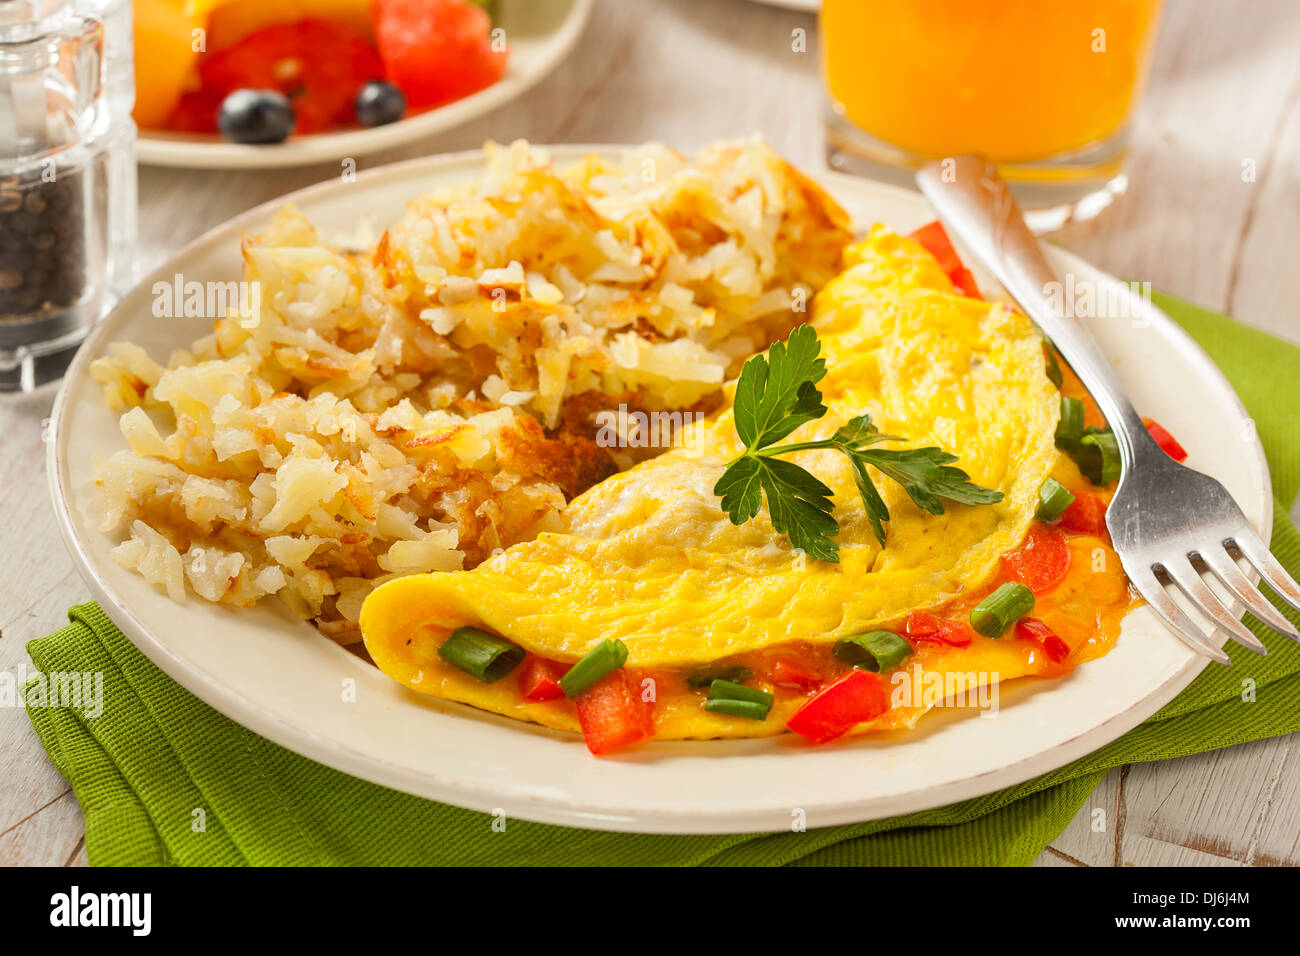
(320,65)
(436,51)
(196,112)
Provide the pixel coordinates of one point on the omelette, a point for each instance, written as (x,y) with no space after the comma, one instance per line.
(650,614)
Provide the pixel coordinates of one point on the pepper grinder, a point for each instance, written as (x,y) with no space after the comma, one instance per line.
(67,177)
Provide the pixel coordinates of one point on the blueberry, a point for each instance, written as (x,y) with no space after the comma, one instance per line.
(256,116)
(379,103)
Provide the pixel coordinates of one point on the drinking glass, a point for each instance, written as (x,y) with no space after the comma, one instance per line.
(1046,89)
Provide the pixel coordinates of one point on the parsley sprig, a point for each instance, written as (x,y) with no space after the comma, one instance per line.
(775,395)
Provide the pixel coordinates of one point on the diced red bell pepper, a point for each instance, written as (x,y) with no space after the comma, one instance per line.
(937,243)
(785,672)
(1041,562)
(1166,441)
(613,715)
(840,706)
(1086,514)
(1034,630)
(924,626)
(539,678)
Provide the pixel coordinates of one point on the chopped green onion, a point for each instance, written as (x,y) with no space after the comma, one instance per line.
(485,656)
(738,700)
(705,678)
(1093,449)
(873,651)
(1106,466)
(721,689)
(738,708)
(1053,499)
(1069,430)
(608,655)
(997,612)
(1053,366)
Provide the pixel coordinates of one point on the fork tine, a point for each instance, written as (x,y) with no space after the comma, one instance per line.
(1269,569)
(1191,583)
(1226,570)
(1160,601)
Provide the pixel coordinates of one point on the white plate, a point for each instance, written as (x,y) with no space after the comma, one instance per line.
(540,33)
(807,6)
(277,676)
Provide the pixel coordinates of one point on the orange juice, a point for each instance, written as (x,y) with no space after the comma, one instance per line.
(1013,80)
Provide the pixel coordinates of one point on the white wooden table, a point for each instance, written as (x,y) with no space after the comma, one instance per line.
(1224,96)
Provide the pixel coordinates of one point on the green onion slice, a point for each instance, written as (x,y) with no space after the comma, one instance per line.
(725,689)
(1053,499)
(1069,430)
(873,651)
(738,708)
(607,656)
(486,656)
(1094,450)
(997,612)
(738,700)
(1107,462)
(1053,364)
(734,674)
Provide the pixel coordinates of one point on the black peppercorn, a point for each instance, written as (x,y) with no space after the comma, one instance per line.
(42,244)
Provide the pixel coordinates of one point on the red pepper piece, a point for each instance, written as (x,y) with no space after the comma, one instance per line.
(924,626)
(1086,514)
(613,715)
(539,678)
(840,706)
(1034,630)
(1041,562)
(937,243)
(788,673)
(1167,442)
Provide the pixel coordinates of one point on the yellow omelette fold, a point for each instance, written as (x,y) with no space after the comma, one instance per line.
(649,557)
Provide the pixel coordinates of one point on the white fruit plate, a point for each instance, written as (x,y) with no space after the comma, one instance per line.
(540,33)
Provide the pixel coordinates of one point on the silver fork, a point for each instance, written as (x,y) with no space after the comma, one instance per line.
(1169,524)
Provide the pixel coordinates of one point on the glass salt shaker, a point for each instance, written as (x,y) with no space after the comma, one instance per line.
(67,177)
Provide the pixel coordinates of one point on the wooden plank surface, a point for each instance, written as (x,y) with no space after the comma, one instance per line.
(1224,98)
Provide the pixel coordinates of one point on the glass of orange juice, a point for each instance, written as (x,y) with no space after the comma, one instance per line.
(1044,88)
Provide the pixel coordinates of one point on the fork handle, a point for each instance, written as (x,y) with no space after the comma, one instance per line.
(976,205)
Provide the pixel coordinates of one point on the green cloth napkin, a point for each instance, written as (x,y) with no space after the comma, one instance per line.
(164,779)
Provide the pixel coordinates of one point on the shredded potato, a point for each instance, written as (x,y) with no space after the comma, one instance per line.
(428,399)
